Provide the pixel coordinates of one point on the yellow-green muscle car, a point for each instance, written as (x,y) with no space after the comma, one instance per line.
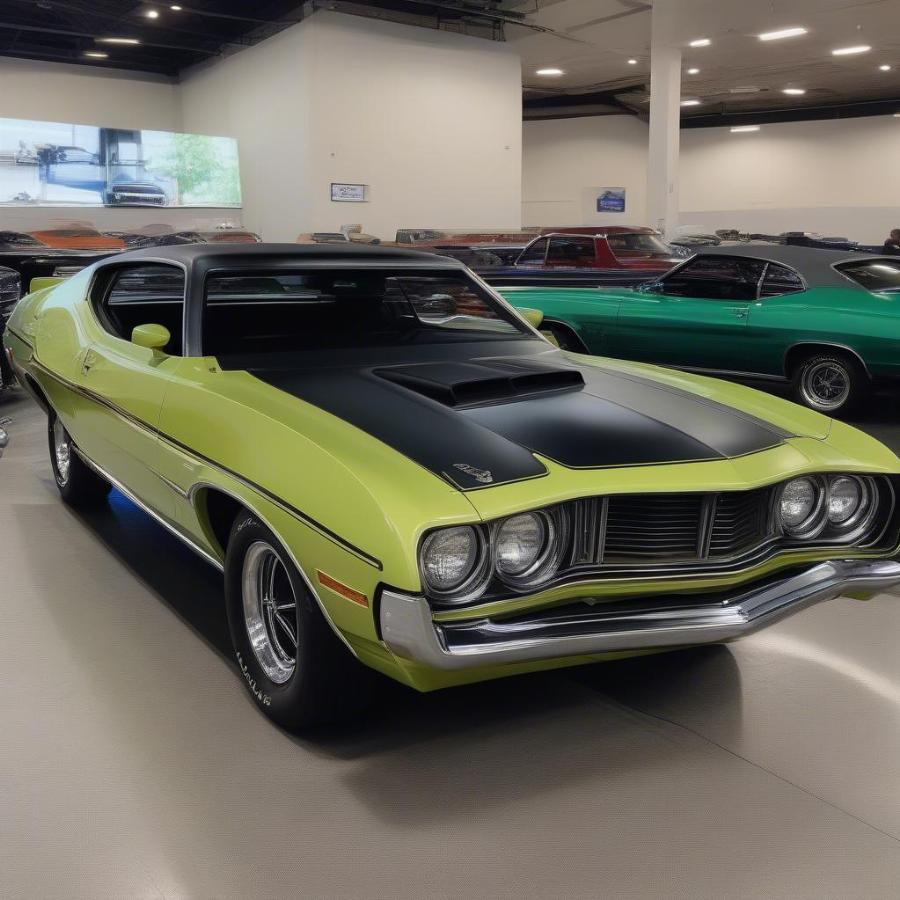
(396,472)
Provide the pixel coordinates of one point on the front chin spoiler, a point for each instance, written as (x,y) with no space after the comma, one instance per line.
(410,632)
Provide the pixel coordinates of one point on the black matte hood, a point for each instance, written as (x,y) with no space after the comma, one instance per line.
(482,414)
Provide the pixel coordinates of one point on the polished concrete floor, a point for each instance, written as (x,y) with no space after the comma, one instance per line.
(133,765)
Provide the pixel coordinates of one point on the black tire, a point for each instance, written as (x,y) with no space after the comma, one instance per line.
(563,337)
(830,382)
(325,684)
(79,485)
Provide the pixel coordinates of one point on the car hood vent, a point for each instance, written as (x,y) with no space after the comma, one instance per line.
(471,384)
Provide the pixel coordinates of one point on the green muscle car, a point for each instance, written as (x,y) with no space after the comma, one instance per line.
(828,322)
(396,472)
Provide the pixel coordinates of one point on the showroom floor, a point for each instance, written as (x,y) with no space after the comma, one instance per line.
(132,764)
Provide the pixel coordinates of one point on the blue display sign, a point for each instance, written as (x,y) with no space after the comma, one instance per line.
(611,200)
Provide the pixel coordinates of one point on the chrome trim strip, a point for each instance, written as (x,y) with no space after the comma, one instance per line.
(198,457)
(157,517)
(731,373)
(409,631)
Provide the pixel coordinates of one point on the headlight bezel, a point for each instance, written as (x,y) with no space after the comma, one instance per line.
(814,524)
(476,581)
(547,562)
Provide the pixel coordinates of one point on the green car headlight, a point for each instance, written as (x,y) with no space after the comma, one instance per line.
(527,548)
(801,508)
(845,497)
(453,563)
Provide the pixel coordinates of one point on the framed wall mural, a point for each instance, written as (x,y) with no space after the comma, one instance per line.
(57,164)
(611,200)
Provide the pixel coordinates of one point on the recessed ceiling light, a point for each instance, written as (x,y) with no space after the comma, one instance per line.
(96,54)
(114,40)
(797,92)
(549,71)
(885,67)
(742,128)
(849,51)
(795,31)
(700,42)
(693,71)
(152,14)
(690,102)
(176,8)
(632,62)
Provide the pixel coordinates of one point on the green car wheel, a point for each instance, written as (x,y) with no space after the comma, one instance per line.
(831,383)
(296,669)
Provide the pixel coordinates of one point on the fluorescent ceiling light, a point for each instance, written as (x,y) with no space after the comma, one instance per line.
(632,62)
(797,92)
(693,71)
(152,14)
(885,67)
(849,51)
(112,40)
(96,54)
(549,71)
(744,89)
(700,42)
(741,128)
(796,31)
(690,102)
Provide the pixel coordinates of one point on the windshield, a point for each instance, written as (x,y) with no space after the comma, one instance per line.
(645,245)
(278,312)
(873,274)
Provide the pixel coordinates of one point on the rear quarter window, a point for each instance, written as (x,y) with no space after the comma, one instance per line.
(873,274)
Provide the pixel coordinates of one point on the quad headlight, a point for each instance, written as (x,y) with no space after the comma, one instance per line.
(453,562)
(801,507)
(525,547)
(832,506)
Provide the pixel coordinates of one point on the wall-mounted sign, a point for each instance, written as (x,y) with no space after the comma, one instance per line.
(349,193)
(56,164)
(611,200)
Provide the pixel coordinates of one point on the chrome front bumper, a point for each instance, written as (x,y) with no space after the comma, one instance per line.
(410,632)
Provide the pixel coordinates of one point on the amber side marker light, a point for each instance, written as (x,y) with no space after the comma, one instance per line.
(342,589)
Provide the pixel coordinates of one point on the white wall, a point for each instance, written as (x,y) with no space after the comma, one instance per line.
(838,177)
(430,120)
(565,161)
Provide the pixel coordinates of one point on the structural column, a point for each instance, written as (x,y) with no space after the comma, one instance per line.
(665,119)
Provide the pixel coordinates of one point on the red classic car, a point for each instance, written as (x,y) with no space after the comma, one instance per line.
(600,247)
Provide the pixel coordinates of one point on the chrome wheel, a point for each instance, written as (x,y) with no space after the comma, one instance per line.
(62,449)
(270,611)
(825,385)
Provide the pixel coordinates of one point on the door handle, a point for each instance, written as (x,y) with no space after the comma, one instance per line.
(87,362)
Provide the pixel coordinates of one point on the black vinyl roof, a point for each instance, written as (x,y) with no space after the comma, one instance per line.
(817,266)
(239,254)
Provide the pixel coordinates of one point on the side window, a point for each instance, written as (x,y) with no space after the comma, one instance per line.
(780,280)
(534,254)
(571,251)
(144,295)
(715,278)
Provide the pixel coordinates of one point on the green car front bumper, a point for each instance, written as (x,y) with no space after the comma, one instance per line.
(410,632)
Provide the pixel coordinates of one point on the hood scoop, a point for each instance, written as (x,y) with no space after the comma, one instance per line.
(471,384)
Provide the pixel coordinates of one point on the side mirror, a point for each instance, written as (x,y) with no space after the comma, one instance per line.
(533,317)
(153,337)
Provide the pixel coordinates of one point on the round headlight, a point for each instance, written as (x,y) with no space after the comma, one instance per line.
(799,505)
(520,543)
(450,557)
(845,497)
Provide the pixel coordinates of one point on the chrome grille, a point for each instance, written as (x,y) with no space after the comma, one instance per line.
(644,529)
